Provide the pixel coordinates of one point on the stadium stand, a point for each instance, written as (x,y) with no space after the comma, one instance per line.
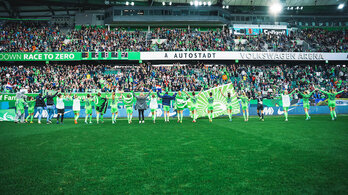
(42,37)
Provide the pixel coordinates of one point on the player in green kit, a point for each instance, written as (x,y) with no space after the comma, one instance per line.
(128,102)
(245,105)
(332,101)
(180,103)
(114,107)
(31,106)
(193,107)
(305,98)
(88,108)
(210,106)
(228,104)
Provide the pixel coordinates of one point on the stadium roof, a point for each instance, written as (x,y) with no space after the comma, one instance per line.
(21,8)
(214,2)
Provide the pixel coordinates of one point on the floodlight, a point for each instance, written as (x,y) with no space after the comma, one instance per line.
(127,3)
(200,3)
(275,8)
(191,3)
(227,6)
(132,3)
(170,3)
(163,3)
(340,6)
(209,3)
(204,3)
(196,3)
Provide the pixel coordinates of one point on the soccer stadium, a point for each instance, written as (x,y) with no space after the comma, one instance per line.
(173,97)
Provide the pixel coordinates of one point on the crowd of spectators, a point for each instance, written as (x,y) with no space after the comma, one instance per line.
(42,37)
(191,40)
(323,40)
(271,80)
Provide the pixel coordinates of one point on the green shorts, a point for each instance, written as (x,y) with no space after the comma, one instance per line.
(192,108)
(332,104)
(129,110)
(76,112)
(166,108)
(153,110)
(30,111)
(306,106)
(285,108)
(180,108)
(210,108)
(114,109)
(244,106)
(229,107)
(88,111)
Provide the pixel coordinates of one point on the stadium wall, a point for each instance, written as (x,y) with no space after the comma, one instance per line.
(174,55)
(272,107)
(8,114)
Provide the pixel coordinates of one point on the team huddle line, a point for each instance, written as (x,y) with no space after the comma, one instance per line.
(141,104)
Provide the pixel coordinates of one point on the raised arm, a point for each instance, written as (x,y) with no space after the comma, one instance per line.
(172,97)
(325,92)
(301,93)
(339,92)
(159,95)
(55,94)
(148,93)
(187,94)
(293,91)
(222,93)
(310,94)
(44,97)
(200,92)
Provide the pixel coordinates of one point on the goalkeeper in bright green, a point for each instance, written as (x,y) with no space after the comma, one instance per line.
(128,102)
(180,103)
(332,101)
(114,107)
(305,99)
(31,106)
(194,106)
(88,108)
(245,105)
(210,106)
(228,104)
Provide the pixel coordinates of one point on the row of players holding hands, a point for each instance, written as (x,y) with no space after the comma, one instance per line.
(101,104)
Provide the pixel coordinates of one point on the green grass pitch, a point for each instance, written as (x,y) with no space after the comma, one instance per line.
(271,157)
